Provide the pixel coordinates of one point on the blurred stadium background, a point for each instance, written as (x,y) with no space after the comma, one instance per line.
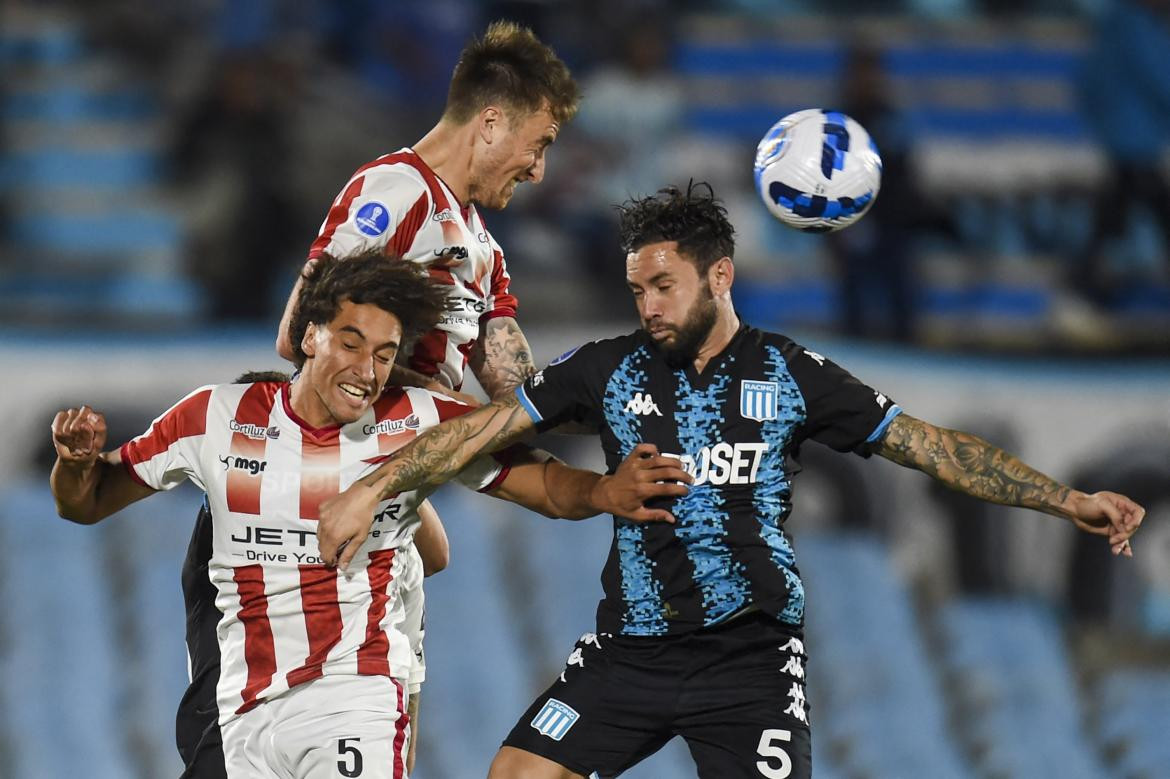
(163,171)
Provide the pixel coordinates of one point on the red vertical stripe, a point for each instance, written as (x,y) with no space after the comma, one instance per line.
(503,301)
(188,417)
(394,404)
(373,655)
(400,729)
(336,217)
(429,353)
(320,470)
(403,237)
(247,452)
(322,620)
(259,649)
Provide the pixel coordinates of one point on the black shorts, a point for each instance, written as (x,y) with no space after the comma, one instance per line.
(734,692)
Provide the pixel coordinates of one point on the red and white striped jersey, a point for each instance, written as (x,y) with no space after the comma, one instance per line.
(288,619)
(399,204)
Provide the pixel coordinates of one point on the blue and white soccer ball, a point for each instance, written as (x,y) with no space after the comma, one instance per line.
(818,170)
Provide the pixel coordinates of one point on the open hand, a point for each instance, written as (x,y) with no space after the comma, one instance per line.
(643,476)
(344,522)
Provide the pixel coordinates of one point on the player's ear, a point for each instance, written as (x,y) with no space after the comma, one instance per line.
(491,121)
(309,341)
(721,275)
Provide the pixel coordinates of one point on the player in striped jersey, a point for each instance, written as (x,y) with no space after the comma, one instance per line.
(700,631)
(313,661)
(197,732)
(508,98)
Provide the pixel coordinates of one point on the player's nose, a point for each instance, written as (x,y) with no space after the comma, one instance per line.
(536,172)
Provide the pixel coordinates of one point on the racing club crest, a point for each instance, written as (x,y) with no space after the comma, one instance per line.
(757,400)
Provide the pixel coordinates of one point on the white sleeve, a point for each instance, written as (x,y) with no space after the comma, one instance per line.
(167,453)
(384,205)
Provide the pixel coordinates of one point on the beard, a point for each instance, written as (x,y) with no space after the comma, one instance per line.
(691,334)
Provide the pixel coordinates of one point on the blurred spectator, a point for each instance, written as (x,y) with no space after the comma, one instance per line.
(1126,101)
(874,257)
(232,152)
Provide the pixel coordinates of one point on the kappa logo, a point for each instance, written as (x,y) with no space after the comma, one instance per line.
(642,405)
(554,719)
(255,432)
(392,426)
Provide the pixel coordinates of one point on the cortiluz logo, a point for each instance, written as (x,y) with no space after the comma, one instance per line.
(255,432)
(446,215)
(643,405)
(554,719)
(391,426)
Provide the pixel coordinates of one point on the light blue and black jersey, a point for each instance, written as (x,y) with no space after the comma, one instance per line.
(733,426)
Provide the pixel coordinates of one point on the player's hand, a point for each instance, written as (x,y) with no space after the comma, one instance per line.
(1108,514)
(643,476)
(344,522)
(79,435)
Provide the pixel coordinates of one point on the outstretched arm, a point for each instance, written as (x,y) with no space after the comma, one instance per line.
(969,464)
(428,461)
(88,485)
(550,487)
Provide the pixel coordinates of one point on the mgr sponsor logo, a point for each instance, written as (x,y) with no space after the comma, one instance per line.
(253,467)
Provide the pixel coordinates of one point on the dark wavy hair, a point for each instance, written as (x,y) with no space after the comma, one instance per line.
(393,285)
(509,66)
(695,218)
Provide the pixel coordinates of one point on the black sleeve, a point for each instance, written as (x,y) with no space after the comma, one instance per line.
(568,389)
(841,411)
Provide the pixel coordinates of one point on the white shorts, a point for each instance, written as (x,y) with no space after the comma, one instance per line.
(410,592)
(335,726)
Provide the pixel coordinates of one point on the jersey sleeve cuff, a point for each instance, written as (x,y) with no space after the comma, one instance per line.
(124,454)
(522,396)
(495,483)
(878,431)
(497,313)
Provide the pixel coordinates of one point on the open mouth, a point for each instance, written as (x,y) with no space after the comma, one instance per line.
(357,395)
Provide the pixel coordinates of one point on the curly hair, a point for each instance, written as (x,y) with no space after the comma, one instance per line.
(393,285)
(696,219)
(511,67)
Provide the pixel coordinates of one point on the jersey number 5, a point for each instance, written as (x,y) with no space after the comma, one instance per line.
(769,749)
(347,753)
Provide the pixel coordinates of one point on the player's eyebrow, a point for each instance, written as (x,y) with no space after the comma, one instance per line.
(352,329)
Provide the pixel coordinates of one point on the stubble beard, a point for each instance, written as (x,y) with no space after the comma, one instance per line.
(689,338)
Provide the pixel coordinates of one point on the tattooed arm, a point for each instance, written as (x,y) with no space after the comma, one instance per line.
(429,460)
(501,359)
(967,463)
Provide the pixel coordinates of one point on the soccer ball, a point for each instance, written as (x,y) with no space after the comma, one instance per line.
(818,170)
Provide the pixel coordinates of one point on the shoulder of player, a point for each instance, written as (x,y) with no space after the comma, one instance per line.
(604,352)
(392,174)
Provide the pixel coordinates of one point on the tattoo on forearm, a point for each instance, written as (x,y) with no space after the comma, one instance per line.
(443,451)
(967,463)
(505,359)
